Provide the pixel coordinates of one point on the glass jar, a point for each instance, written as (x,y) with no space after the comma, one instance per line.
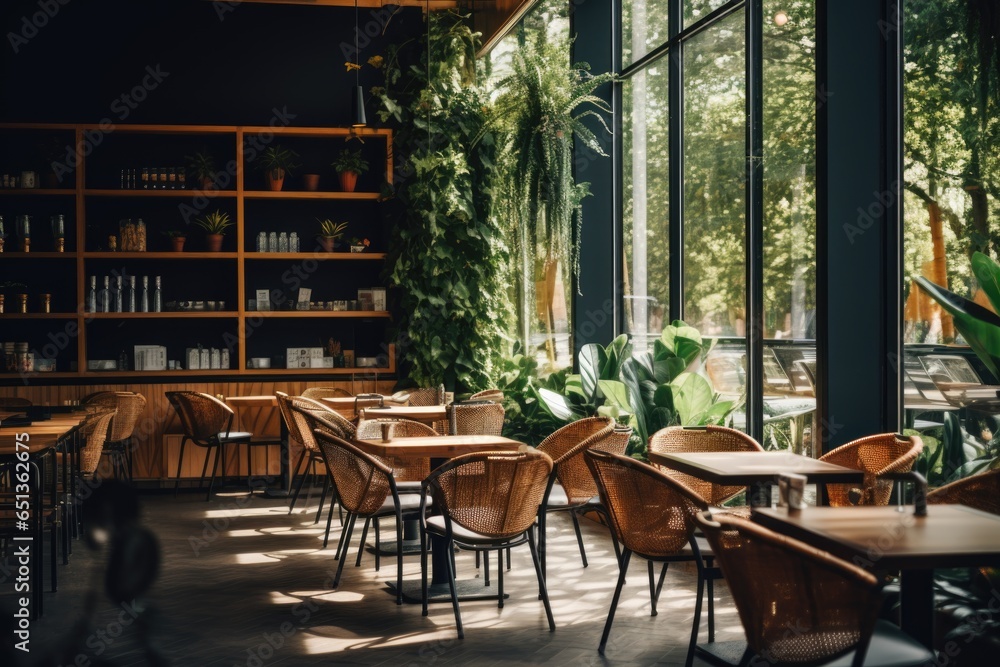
(283,242)
(272,242)
(133,235)
(262,242)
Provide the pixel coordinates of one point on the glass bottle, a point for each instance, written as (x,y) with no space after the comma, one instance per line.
(145,178)
(130,295)
(59,231)
(91,305)
(272,242)
(23,223)
(116,295)
(144,301)
(123,361)
(283,242)
(104,297)
(172,178)
(262,242)
(293,242)
(157,297)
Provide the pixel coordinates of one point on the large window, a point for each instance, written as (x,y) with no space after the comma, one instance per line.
(702,146)
(951,202)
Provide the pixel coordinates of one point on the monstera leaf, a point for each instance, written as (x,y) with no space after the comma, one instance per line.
(978,325)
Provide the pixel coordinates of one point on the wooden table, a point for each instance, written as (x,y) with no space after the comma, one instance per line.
(440,446)
(885,539)
(349,406)
(428,414)
(755,470)
(42,439)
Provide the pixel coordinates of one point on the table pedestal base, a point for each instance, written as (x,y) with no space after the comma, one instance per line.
(388,547)
(467,589)
(721,653)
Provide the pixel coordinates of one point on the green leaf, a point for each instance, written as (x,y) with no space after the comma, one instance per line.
(592,359)
(980,327)
(693,397)
(987,272)
(616,394)
(555,404)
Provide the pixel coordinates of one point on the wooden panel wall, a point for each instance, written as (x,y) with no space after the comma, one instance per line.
(155,453)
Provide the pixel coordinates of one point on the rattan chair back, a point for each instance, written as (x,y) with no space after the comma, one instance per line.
(566,447)
(94,429)
(425,396)
(798,605)
(684,439)
(363,482)
(981,491)
(652,514)
(298,429)
(615,443)
(129,407)
(475,419)
(874,455)
(318,415)
(404,469)
(317,393)
(496,494)
(494,395)
(203,416)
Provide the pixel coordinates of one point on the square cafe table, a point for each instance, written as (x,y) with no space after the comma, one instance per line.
(887,539)
(755,470)
(440,446)
(427,414)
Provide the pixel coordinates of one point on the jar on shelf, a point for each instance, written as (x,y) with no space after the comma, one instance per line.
(133,235)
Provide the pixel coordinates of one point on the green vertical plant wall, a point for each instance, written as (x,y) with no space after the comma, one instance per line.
(447,256)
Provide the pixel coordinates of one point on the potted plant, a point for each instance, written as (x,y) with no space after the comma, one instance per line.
(201,166)
(215,225)
(276,162)
(359,245)
(330,233)
(310,182)
(177,238)
(349,165)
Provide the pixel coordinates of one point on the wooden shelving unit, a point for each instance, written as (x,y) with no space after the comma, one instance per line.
(87,252)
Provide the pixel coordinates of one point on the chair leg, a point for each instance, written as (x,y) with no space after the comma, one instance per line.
(423,571)
(454,593)
(326,537)
(298,488)
(542,590)
(364,536)
(654,591)
(343,533)
(378,546)
(500,578)
(399,557)
(486,566)
(710,584)
(180,461)
(579,537)
(697,617)
(219,452)
(508,558)
(541,539)
(626,557)
(322,498)
(347,545)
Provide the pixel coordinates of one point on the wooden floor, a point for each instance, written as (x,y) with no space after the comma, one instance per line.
(244,583)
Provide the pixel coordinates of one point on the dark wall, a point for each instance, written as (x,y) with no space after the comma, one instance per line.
(218,63)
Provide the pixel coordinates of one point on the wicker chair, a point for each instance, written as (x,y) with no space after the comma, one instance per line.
(299,431)
(317,393)
(207,422)
(575,488)
(980,491)
(425,396)
(475,418)
(487,501)
(494,395)
(652,515)
(874,455)
(802,606)
(312,415)
(366,489)
(94,431)
(129,406)
(674,439)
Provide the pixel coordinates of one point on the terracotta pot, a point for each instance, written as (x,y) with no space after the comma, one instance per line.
(348,180)
(275,179)
(207,183)
(214,242)
(310,182)
(328,244)
(177,243)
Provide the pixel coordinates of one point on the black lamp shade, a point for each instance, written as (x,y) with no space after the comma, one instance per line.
(358,118)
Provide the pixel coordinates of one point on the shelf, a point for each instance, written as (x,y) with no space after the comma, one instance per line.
(159,255)
(177,373)
(37,316)
(323,256)
(158,193)
(313,371)
(38,255)
(356,314)
(290,131)
(37,192)
(38,374)
(268,194)
(182,314)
